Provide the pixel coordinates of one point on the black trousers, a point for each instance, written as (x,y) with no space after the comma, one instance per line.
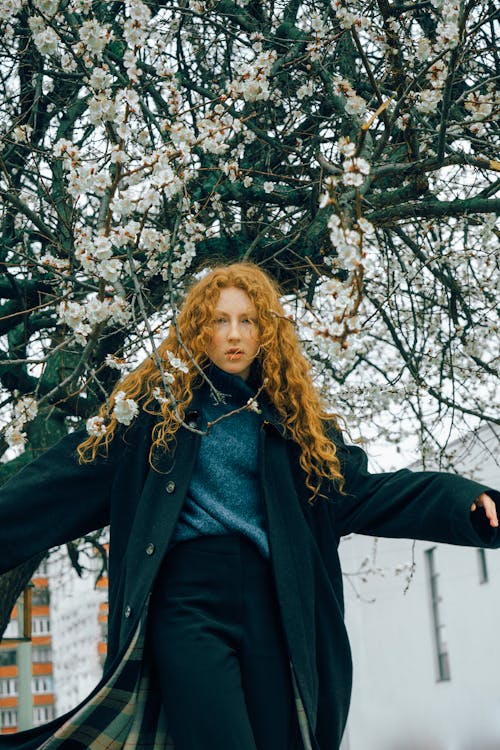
(218,648)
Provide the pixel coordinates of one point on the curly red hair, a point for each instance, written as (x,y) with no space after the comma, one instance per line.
(283,369)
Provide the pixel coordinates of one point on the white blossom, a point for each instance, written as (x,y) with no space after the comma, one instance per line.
(66,148)
(177,363)
(447,34)
(101,108)
(101,248)
(71,313)
(355,105)
(480,105)
(15,437)
(366,226)
(306,90)
(423,49)
(47,7)
(110,269)
(60,264)
(437,74)
(333,222)
(120,310)
(428,100)
(345,18)
(354,169)
(10,8)
(46,41)
(403,121)
(116,363)
(324,200)
(123,205)
(100,79)
(96,426)
(68,62)
(253,405)
(26,409)
(97,310)
(252,80)
(95,36)
(125,409)
(22,133)
(346,147)
(160,396)
(82,332)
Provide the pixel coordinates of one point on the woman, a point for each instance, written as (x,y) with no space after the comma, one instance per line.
(226,496)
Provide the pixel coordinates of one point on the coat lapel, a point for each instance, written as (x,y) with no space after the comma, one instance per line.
(292,563)
(159,507)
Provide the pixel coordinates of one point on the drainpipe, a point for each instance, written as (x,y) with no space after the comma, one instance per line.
(25,699)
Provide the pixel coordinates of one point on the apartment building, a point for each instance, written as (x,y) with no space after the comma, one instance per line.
(26,667)
(426,651)
(49,674)
(79,607)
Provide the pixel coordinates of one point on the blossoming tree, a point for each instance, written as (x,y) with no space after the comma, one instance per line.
(348,147)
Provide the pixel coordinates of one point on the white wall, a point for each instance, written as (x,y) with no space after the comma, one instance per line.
(398,704)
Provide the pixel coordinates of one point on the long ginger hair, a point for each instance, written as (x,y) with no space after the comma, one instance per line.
(283,370)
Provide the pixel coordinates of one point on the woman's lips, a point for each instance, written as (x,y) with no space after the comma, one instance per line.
(234,354)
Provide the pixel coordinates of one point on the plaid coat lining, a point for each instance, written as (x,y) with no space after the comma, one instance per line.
(104,721)
(126,713)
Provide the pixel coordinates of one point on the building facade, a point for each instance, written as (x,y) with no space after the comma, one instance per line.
(79,627)
(26,666)
(48,675)
(426,674)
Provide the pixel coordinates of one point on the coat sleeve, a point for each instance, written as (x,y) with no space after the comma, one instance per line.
(54,499)
(428,505)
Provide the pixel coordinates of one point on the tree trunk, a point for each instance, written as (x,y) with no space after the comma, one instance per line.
(12,584)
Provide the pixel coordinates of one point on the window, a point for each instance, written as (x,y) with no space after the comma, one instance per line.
(41,595)
(42,685)
(483,566)
(442,658)
(8,718)
(8,686)
(8,658)
(41,654)
(41,625)
(42,714)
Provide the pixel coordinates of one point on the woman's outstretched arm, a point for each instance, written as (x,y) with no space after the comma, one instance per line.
(54,499)
(430,505)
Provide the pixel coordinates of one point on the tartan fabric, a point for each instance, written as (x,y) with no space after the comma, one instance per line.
(126,712)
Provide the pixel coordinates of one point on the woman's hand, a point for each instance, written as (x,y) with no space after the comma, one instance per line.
(484,501)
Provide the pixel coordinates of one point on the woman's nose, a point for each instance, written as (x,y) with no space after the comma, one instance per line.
(234,330)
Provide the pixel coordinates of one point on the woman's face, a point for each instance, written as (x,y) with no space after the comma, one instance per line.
(235,341)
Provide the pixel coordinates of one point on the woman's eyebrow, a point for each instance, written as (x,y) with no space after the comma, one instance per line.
(248,313)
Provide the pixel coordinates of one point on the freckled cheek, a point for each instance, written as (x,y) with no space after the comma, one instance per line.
(213,345)
(255,340)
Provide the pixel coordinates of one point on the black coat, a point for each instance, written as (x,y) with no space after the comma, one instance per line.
(55,499)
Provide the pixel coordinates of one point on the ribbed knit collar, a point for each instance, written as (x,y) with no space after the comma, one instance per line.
(237,390)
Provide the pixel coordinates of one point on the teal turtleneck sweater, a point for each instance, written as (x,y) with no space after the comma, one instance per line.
(224,496)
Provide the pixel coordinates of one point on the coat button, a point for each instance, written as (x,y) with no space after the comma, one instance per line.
(170,487)
(127,611)
(150,549)
(192,420)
